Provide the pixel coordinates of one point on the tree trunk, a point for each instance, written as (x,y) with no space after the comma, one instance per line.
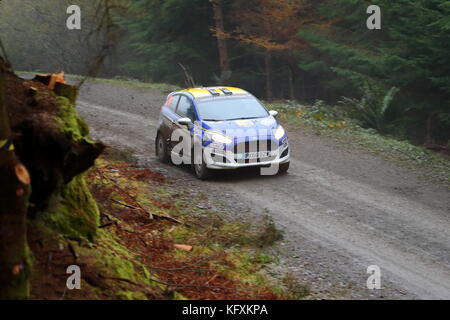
(429,140)
(268,63)
(14,193)
(221,43)
(291,83)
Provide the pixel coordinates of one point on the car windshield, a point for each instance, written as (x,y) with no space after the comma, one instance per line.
(230,109)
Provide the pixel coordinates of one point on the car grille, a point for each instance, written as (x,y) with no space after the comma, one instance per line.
(255,146)
(260,145)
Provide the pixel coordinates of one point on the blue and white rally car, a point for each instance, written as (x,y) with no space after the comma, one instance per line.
(218,128)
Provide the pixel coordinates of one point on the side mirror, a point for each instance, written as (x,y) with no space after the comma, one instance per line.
(273,113)
(184,122)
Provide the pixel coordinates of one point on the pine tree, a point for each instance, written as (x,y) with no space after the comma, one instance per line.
(167,33)
(410,52)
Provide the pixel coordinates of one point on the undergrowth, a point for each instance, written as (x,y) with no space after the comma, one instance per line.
(152,244)
(336,123)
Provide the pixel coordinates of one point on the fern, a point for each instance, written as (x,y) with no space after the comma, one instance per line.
(371,109)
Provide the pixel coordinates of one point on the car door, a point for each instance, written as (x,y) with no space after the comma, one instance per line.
(185,109)
(169,116)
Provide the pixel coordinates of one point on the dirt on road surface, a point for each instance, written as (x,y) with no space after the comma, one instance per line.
(341,210)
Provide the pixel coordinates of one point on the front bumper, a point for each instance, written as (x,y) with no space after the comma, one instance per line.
(233,163)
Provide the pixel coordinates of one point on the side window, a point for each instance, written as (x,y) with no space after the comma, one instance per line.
(185,108)
(172,102)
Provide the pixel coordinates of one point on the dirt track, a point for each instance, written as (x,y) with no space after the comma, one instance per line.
(341,210)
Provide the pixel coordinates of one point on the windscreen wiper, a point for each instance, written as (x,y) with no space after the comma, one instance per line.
(245,118)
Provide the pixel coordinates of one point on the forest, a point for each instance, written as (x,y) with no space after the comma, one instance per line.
(396,79)
(71,197)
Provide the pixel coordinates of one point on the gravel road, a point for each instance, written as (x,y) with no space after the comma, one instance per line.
(341,210)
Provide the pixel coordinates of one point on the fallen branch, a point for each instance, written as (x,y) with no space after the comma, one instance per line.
(155,216)
(124,204)
(102,214)
(212,278)
(142,286)
(174,285)
(125,193)
(73,252)
(199,286)
(131,231)
(190,266)
(159,217)
(107,224)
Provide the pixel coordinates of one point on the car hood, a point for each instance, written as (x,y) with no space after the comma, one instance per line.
(243,128)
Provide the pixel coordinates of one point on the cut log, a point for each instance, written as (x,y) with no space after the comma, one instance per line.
(43,78)
(68,91)
(22,174)
(14,193)
(14,253)
(184,247)
(57,83)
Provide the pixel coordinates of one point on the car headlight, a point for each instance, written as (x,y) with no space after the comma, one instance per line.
(279,133)
(217,137)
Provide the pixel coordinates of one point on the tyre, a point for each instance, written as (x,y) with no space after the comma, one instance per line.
(284,167)
(201,171)
(161,149)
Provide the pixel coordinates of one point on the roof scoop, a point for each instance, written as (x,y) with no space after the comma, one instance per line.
(214,92)
(226,91)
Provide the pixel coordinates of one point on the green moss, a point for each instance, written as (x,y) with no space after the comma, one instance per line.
(130,295)
(178,296)
(114,262)
(146,273)
(245,268)
(297,289)
(119,266)
(76,213)
(261,258)
(113,259)
(109,240)
(69,120)
(181,233)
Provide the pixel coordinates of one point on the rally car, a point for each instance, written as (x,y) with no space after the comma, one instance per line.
(218,128)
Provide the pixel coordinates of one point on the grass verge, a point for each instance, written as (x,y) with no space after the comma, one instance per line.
(334,123)
(153,242)
(122,81)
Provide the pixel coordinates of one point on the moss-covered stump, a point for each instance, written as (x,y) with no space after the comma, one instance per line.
(74,213)
(67,91)
(61,89)
(52,141)
(41,129)
(15,262)
(14,192)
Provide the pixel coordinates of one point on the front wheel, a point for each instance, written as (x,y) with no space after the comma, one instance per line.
(161,149)
(284,167)
(200,169)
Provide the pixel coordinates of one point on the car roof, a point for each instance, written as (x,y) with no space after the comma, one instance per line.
(207,92)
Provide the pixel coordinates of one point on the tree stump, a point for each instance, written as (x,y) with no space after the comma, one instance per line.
(14,193)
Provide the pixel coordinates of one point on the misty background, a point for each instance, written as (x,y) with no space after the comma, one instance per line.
(395,80)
